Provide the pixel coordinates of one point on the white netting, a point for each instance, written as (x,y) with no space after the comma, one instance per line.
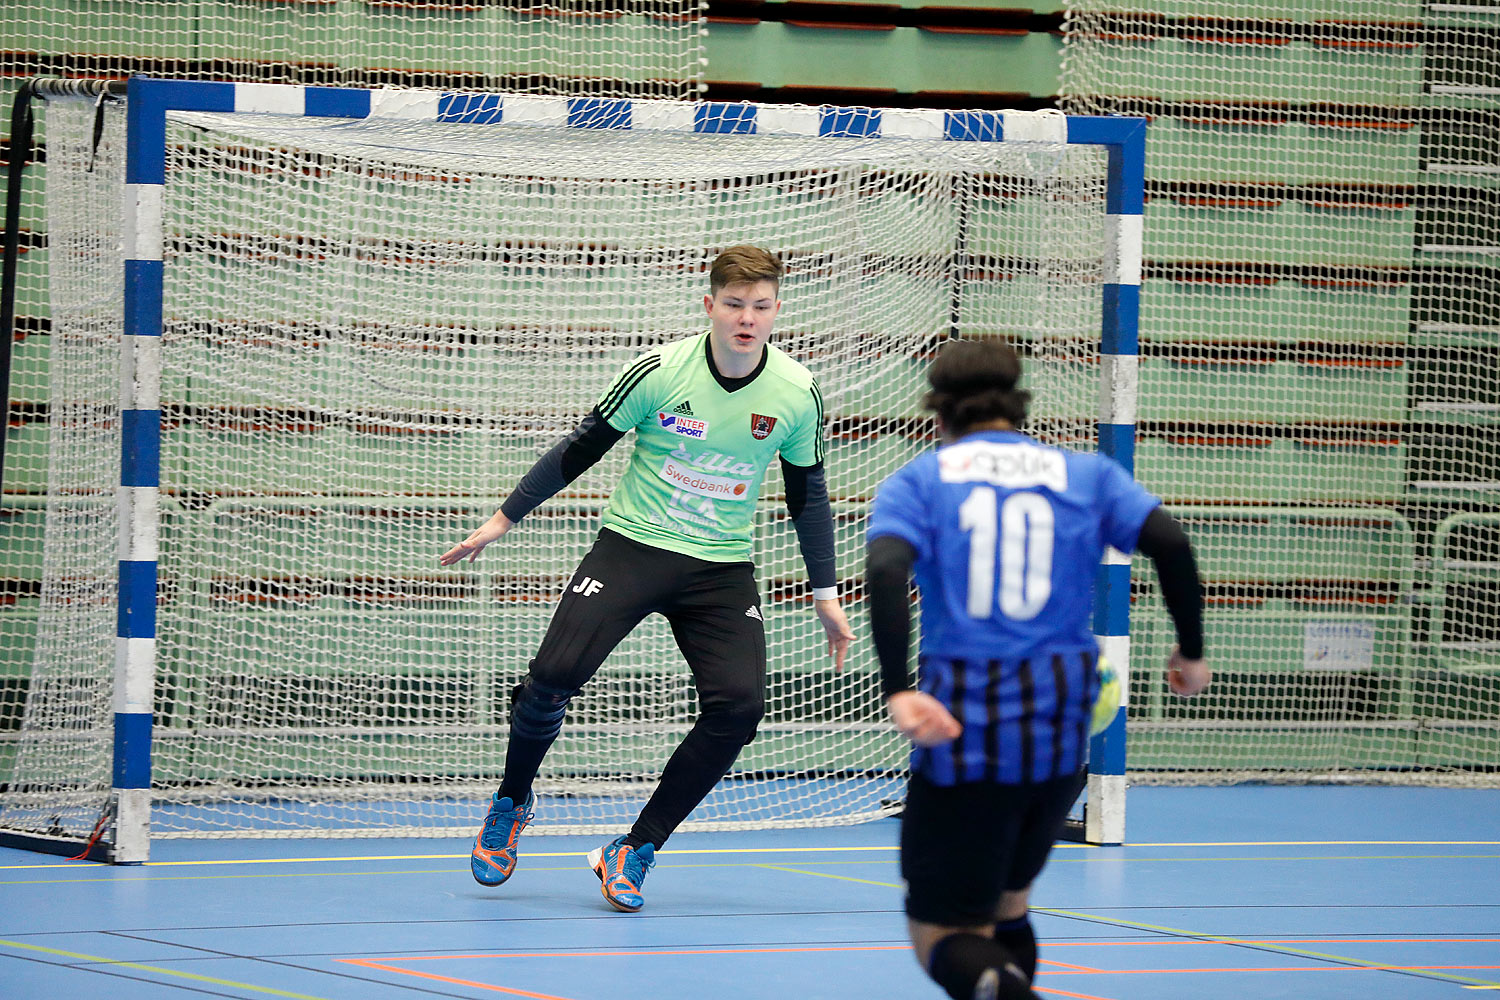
(623,48)
(1320,377)
(373,328)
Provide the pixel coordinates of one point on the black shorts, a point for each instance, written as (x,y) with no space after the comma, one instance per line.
(713,608)
(964,845)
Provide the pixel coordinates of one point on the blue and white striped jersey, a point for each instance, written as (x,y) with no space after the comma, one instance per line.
(1008,534)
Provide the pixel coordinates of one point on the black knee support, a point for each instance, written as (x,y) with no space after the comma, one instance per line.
(537,710)
(970,967)
(1020,939)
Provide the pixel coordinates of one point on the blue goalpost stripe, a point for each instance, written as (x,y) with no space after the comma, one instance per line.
(855,123)
(1118,442)
(1111,617)
(974,126)
(599,112)
(1122,311)
(476,109)
(136,615)
(146,105)
(1107,750)
(143,287)
(717,117)
(140,447)
(1126,140)
(337,102)
(132,757)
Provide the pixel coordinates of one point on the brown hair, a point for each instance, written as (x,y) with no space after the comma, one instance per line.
(974,382)
(744,265)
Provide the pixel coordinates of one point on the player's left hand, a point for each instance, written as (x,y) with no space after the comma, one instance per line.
(837,627)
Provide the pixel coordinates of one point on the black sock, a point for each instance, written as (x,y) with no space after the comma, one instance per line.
(523,758)
(635,841)
(1019,939)
(971,967)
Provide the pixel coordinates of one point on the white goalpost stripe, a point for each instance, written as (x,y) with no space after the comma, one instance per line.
(1034,126)
(139,508)
(518,109)
(1104,819)
(140,372)
(135,672)
(787,121)
(408,105)
(664,116)
(270,98)
(1123,235)
(141,235)
(905,124)
(133,829)
(1119,385)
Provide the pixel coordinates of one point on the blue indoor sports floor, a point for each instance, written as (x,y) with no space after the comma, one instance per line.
(1256,892)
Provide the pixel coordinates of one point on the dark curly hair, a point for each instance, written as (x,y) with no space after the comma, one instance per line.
(974,382)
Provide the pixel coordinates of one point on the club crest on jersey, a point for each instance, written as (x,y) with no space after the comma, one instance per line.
(761,425)
(686,426)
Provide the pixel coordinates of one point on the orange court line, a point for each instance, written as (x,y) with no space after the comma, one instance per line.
(1065,993)
(1067,965)
(379,964)
(366,963)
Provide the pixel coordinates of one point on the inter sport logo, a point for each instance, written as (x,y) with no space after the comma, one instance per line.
(686,426)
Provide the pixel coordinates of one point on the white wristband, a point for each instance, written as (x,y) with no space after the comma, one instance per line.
(825,593)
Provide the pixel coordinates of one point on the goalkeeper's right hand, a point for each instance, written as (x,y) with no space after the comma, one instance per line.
(1186,677)
(470,547)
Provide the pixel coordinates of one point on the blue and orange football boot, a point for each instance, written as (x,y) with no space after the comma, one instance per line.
(494,856)
(621,872)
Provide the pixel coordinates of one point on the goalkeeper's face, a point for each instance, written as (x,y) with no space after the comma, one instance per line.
(741,317)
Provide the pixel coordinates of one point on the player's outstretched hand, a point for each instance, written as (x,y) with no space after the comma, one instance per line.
(1184,676)
(840,635)
(470,547)
(922,718)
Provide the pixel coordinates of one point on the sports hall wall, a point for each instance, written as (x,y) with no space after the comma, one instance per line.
(1320,329)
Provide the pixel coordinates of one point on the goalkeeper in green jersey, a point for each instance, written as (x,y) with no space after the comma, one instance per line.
(710,413)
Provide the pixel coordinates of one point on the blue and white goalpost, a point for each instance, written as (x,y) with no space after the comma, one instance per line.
(351,303)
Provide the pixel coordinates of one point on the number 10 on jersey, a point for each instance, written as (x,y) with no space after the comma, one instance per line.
(1023,525)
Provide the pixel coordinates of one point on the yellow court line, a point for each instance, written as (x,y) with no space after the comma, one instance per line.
(455,857)
(765,850)
(840,878)
(1279,949)
(158,970)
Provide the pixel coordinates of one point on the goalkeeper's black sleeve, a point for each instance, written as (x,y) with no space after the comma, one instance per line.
(1163,540)
(888,563)
(565,462)
(807,502)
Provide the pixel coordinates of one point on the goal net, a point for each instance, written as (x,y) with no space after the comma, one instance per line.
(1320,382)
(372,327)
(621,48)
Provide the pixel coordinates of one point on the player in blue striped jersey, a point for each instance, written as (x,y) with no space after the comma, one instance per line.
(1003,535)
